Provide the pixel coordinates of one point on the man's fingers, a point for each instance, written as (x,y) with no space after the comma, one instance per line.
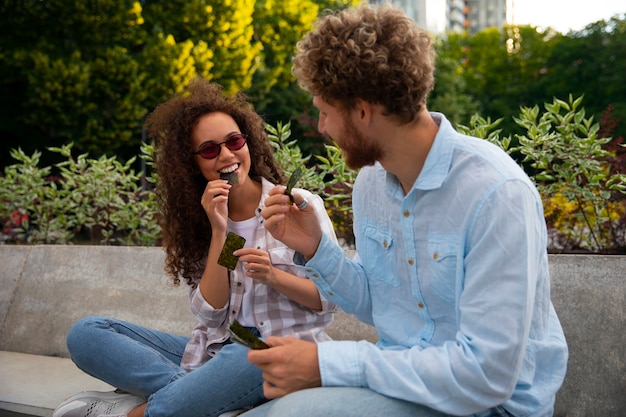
(271,391)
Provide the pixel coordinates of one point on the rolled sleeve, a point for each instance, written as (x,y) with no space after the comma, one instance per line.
(339,364)
(204,312)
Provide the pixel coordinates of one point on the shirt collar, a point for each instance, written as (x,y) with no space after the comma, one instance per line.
(439,159)
(436,165)
(266,186)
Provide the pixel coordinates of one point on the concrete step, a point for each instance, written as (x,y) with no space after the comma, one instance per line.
(35,385)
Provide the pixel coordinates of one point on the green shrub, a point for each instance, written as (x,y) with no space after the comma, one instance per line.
(104,201)
(101,199)
(585,205)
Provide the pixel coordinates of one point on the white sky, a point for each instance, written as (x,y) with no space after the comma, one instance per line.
(565,15)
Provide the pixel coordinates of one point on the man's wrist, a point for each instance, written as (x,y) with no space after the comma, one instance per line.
(310,254)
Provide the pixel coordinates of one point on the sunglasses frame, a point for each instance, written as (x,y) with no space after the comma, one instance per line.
(236,136)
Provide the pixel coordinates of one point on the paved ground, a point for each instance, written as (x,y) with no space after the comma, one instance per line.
(49,381)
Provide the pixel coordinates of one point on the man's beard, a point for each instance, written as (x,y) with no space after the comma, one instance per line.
(358,150)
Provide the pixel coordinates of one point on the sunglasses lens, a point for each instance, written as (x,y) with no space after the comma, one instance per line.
(235,142)
(211,150)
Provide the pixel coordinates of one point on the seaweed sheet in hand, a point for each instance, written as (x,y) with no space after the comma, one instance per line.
(226,258)
(295,176)
(231,177)
(242,335)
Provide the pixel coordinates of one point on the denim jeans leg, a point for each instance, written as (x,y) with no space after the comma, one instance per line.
(340,402)
(224,383)
(349,402)
(127,356)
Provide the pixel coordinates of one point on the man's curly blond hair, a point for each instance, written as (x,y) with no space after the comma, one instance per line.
(375,54)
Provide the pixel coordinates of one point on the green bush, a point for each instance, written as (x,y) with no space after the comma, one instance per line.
(104,201)
(584,204)
(93,200)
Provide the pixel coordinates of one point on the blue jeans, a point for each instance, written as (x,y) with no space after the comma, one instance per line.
(146,363)
(348,402)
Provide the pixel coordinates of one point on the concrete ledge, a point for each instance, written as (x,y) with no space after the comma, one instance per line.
(45,289)
(588,293)
(36,384)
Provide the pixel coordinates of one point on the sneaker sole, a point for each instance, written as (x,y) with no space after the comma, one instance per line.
(76,401)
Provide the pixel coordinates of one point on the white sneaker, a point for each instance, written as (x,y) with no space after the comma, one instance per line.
(97,404)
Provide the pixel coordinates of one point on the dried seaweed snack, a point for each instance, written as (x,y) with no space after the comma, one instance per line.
(231,177)
(226,258)
(243,336)
(295,176)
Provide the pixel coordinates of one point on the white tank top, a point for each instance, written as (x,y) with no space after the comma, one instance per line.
(245,229)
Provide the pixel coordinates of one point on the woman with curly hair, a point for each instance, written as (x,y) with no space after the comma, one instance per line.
(215,168)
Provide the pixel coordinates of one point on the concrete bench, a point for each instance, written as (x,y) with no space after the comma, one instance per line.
(45,289)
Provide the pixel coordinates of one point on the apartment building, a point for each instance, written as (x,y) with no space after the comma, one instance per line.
(440,16)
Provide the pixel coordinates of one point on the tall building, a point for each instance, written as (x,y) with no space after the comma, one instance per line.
(482,14)
(428,14)
(457,16)
(438,16)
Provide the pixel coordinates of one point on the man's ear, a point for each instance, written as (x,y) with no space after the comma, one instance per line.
(363,111)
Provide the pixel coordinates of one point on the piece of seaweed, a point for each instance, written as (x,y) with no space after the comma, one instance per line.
(226,258)
(295,176)
(242,335)
(231,177)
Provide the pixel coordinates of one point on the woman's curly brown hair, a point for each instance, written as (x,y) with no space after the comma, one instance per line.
(186,228)
(375,54)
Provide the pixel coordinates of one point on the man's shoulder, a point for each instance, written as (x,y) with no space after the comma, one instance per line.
(375,170)
(371,176)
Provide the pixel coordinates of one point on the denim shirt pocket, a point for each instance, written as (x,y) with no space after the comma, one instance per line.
(378,258)
(442,264)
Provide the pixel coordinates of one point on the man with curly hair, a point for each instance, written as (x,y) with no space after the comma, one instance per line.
(451,265)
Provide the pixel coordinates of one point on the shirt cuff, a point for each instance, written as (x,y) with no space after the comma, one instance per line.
(339,364)
(327,255)
(322,268)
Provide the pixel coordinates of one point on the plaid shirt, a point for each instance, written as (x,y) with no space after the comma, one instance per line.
(275,314)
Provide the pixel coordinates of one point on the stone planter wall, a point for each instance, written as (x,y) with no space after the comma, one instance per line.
(44,289)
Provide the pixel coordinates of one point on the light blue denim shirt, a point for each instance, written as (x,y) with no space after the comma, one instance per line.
(454,275)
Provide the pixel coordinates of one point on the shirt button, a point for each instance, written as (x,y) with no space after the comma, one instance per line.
(385,244)
(233,312)
(316,275)
(309,270)
(239,284)
(331,293)
(420,304)
(411,262)
(435,256)
(406,213)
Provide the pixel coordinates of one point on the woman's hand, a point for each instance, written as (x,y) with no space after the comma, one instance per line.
(258,265)
(215,204)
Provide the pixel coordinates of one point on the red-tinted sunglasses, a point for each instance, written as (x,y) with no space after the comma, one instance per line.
(211,150)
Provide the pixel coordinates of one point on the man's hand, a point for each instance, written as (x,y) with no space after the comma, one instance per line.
(289,365)
(298,228)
